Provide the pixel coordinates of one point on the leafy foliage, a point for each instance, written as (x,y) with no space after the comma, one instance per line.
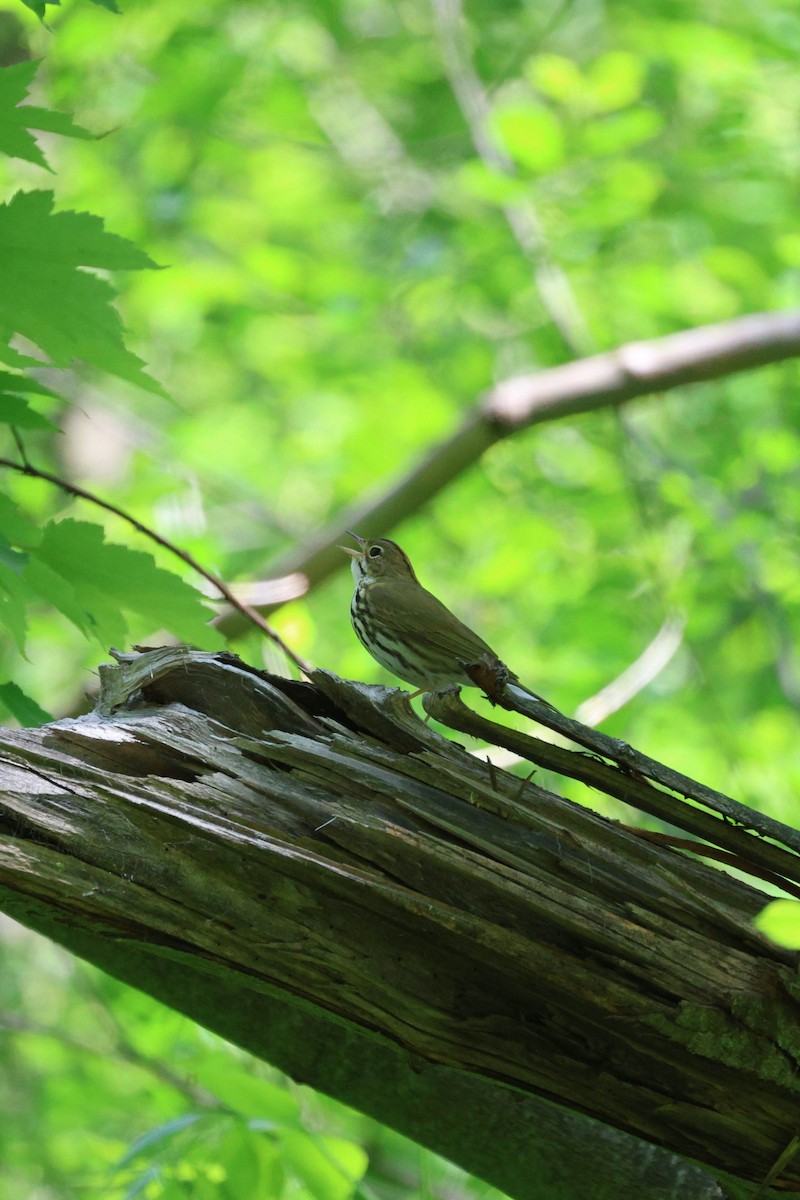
(346,275)
(139,1101)
(107,580)
(93,583)
(48,300)
(15,122)
(65,312)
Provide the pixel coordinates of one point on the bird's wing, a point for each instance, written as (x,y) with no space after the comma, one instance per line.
(424,620)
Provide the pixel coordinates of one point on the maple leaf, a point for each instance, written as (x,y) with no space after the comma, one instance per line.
(49,299)
(16,119)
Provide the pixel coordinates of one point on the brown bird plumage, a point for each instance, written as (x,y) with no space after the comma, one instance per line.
(405,628)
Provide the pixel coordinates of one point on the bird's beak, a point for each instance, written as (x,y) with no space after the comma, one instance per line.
(361,544)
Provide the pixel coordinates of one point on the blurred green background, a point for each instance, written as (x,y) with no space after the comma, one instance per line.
(345,274)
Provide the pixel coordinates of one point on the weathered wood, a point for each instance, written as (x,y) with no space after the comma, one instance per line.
(269,856)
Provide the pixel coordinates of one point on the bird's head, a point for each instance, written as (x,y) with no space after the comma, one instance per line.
(378,558)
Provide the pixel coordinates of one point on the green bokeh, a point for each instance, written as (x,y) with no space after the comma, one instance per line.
(341,285)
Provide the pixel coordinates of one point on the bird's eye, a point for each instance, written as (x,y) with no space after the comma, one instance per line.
(375,551)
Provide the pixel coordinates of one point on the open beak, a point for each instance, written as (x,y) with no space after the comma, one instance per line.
(361,544)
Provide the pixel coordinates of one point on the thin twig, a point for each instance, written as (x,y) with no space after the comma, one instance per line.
(789,1152)
(627,780)
(73,489)
(621,690)
(634,763)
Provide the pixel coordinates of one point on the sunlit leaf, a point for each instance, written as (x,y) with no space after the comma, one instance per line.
(615,80)
(245,1093)
(47,298)
(40,6)
(556,76)
(618,133)
(15,598)
(109,579)
(60,593)
(25,710)
(16,526)
(780,921)
(16,411)
(532,135)
(329,1167)
(17,119)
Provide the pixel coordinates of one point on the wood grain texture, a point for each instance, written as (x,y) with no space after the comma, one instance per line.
(271,856)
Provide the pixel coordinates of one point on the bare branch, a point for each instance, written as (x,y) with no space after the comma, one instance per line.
(636,768)
(603,381)
(641,368)
(620,691)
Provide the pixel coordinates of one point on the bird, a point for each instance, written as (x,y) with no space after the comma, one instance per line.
(411,633)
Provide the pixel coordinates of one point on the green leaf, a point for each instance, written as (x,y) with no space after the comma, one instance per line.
(487,182)
(47,298)
(23,385)
(780,921)
(22,707)
(615,134)
(14,600)
(16,119)
(15,527)
(329,1167)
(15,359)
(532,135)
(15,559)
(109,579)
(252,1164)
(58,592)
(245,1093)
(615,80)
(16,411)
(11,557)
(40,6)
(555,76)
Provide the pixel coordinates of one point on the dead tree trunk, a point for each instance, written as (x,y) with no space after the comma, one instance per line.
(529,989)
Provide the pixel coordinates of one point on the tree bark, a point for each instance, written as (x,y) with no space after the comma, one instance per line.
(528,988)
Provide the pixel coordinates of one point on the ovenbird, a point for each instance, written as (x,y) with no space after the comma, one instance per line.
(409,631)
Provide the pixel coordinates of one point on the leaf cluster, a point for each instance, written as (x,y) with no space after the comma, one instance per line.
(345,276)
(55,304)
